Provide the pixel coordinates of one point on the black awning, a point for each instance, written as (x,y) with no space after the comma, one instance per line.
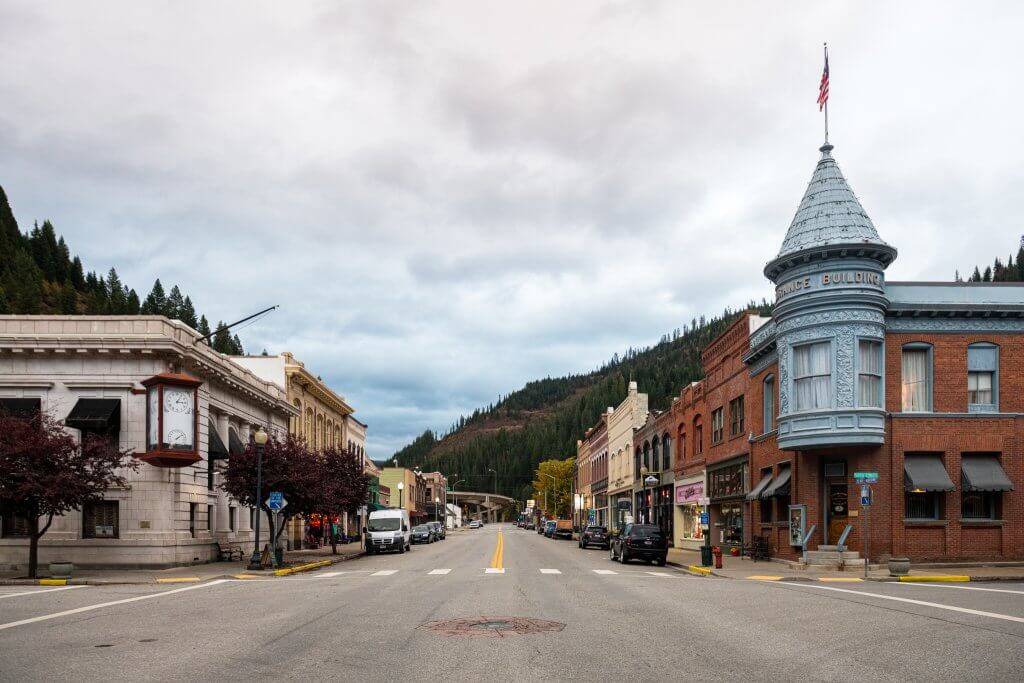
(983,473)
(20,407)
(96,415)
(217,450)
(756,492)
(235,446)
(925,473)
(779,487)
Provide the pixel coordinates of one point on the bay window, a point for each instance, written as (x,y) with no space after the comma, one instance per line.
(869,373)
(812,376)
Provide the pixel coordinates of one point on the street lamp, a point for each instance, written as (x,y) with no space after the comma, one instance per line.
(401,487)
(495,480)
(546,493)
(648,480)
(437,501)
(260,439)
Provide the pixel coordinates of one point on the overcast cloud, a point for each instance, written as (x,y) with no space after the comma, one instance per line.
(449,199)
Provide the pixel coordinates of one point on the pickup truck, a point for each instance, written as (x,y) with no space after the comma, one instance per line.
(563,529)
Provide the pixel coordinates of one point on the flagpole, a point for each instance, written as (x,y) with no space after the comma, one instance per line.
(826,101)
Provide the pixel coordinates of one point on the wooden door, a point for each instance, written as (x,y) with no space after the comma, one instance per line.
(838,511)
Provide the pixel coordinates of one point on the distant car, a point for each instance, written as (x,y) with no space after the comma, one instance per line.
(422,533)
(439,531)
(640,542)
(529,525)
(563,529)
(549,528)
(594,535)
(475,524)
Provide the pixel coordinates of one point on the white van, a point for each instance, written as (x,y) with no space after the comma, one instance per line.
(388,530)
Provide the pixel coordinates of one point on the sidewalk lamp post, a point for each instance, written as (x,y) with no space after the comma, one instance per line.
(437,501)
(495,479)
(260,439)
(401,487)
(552,478)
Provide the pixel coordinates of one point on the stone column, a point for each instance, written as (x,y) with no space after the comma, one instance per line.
(223,518)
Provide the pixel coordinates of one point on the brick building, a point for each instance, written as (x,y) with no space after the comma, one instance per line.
(653,454)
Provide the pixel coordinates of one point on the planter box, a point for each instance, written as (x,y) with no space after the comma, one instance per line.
(61,570)
(899,566)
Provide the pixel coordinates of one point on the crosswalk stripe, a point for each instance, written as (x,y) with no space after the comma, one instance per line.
(605,571)
(660,574)
(550,571)
(439,571)
(384,572)
(494,570)
(328,575)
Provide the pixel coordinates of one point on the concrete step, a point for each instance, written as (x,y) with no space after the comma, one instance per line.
(815,556)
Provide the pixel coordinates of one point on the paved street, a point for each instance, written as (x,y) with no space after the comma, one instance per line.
(632,621)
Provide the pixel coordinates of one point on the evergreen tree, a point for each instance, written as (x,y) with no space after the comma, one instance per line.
(68,299)
(156,301)
(236,346)
(77,274)
(1020,264)
(175,302)
(976,275)
(222,339)
(5,308)
(204,329)
(987,276)
(117,304)
(132,305)
(187,313)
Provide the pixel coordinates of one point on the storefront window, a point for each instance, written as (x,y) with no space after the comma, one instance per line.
(726,482)
(732,521)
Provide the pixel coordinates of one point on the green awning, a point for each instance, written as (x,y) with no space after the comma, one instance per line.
(925,473)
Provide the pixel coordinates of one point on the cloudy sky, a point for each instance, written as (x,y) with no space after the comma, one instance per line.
(449,199)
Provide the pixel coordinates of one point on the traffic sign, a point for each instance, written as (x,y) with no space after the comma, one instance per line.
(865,495)
(276,501)
(865,477)
(705,519)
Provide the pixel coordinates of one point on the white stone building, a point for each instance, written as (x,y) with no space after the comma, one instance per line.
(113,374)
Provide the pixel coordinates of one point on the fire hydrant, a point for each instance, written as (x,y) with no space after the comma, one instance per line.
(717,553)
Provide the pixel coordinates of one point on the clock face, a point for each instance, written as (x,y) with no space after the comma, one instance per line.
(178,402)
(176,437)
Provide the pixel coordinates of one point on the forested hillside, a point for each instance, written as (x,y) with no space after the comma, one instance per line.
(38,274)
(545,418)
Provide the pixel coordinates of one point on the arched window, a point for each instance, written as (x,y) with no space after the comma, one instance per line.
(296,421)
(698,436)
(666,451)
(329,434)
(681,440)
(655,460)
(308,431)
(768,404)
(636,463)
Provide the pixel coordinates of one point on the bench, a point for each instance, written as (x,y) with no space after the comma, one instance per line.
(229,553)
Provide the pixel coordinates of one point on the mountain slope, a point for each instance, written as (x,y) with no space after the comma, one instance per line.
(545,418)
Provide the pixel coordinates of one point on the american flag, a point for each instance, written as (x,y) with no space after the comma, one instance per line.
(823,88)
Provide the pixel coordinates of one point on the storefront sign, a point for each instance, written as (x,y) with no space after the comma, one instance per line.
(841,277)
(689,494)
(705,519)
(624,504)
(797,523)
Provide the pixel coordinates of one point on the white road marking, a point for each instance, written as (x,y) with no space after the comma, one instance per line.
(963,588)
(89,608)
(667,576)
(47,590)
(605,571)
(550,571)
(326,575)
(385,572)
(494,570)
(923,603)
(441,572)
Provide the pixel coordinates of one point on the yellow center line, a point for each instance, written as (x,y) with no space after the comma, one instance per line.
(499,553)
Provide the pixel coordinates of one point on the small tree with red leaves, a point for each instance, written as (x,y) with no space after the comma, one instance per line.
(342,487)
(289,466)
(45,472)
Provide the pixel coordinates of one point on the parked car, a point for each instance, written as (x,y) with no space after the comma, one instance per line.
(640,542)
(563,529)
(540,526)
(422,533)
(388,530)
(475,524)
(529,524)
(439,531)
(549,528)
(594,535)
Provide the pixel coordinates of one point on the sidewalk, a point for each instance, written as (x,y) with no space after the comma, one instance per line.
(190,574)
(741,568)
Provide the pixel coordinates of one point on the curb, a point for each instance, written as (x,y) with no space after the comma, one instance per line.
(699,571)
(934,579)
(189,579)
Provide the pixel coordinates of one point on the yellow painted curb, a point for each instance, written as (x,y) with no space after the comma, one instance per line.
(183,579)
(756,577)
(935,579)
(703,571)
(302,568)
(841,579)
(53,582)
(245,576)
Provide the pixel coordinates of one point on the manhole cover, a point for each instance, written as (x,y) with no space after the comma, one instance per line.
(492,627)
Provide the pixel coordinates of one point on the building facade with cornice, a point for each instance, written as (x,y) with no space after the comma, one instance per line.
(626,418)
(179,406)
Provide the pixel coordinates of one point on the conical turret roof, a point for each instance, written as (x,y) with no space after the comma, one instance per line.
(830,214)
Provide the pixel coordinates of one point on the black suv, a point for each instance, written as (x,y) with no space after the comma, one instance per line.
(640,542)
(594,535)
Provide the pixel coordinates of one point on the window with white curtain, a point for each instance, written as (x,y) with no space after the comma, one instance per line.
(812,376)
(982,371)
(869,373)
(917,379)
